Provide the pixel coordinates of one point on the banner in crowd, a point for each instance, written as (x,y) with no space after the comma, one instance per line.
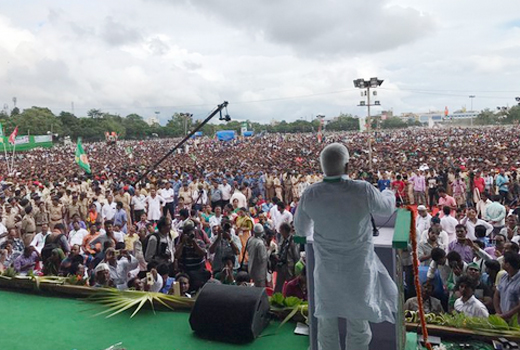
(21,140)
(27,142)
(42,138)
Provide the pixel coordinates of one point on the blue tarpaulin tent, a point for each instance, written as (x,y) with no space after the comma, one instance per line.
(248,133)
(225,135)
(197,134)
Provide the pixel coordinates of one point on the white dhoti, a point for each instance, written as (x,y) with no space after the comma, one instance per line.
(359,334)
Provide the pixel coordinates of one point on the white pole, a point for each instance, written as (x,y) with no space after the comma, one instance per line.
(12,162)
(6,157)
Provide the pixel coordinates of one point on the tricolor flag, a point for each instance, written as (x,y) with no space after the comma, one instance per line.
(81,157)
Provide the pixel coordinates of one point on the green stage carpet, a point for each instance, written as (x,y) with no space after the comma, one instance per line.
(50,323)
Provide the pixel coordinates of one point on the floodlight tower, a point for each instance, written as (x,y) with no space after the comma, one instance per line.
(365,86)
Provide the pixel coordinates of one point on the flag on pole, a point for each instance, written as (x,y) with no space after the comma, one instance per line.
(1,132)
(81,157)
(13,136)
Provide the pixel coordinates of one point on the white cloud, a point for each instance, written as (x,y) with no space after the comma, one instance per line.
(146,56)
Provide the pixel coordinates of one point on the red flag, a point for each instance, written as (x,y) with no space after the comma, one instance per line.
(13,136)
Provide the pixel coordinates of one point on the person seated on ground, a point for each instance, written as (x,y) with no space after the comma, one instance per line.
(481,290)
(507,297)
(27,261)
(184,283)
(430,304)
(297,287)
(77,234)
(468,304)
(39,239)
(91,236)
(79,270)
(242,279)
(77,218)
(102,276)
(227,274)
(73,257)
(120,264)
(163,270)
(151,283)
(51,266)
(57,239)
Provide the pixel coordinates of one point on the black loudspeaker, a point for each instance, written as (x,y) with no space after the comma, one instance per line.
(235,314)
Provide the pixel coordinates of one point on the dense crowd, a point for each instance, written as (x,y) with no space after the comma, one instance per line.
(223,211)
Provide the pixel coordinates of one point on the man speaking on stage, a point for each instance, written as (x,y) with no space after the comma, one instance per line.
(350,280)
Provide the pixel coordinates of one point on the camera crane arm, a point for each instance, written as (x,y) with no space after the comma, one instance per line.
(217,110)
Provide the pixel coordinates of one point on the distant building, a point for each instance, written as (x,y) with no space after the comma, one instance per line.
(152,120)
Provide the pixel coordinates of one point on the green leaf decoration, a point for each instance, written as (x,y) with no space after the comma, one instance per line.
(277,299)
(292,301)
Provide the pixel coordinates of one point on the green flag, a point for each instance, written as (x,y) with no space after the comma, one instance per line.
(1,133)
(81,158)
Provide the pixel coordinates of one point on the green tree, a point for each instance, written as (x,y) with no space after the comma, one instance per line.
(70,125)
(37,121)
(15,111)
(136,127)
(95,113)
(487,117)
(393,123)
(343,122)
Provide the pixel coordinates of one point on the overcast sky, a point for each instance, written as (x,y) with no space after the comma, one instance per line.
(271,59)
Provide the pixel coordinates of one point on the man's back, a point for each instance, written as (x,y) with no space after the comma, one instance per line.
(345,260)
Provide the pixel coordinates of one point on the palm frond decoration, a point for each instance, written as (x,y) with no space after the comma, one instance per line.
(493,326)
(118,301)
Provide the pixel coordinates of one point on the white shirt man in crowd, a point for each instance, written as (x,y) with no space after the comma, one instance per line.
(77,234)
(39,239)
(138,203)
(109,209)
(168,194)
(448,224)
(154,203)
(242,200)
(281,215)
(471,220)
(227,191)
(468,304)
(423,220)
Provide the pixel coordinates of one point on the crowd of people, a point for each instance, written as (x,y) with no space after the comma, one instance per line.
(223,211)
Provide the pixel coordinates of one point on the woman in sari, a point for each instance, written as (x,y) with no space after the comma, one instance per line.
(244,226)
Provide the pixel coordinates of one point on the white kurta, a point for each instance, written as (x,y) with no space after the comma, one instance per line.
(350,280)
(154,207)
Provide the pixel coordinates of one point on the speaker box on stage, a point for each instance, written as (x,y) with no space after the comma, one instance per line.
(230,313)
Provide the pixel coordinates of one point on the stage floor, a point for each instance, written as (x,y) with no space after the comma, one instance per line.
(51,323)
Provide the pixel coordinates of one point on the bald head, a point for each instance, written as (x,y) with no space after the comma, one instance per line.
(333,159)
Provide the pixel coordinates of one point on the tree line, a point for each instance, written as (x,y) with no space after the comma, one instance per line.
(92,127)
